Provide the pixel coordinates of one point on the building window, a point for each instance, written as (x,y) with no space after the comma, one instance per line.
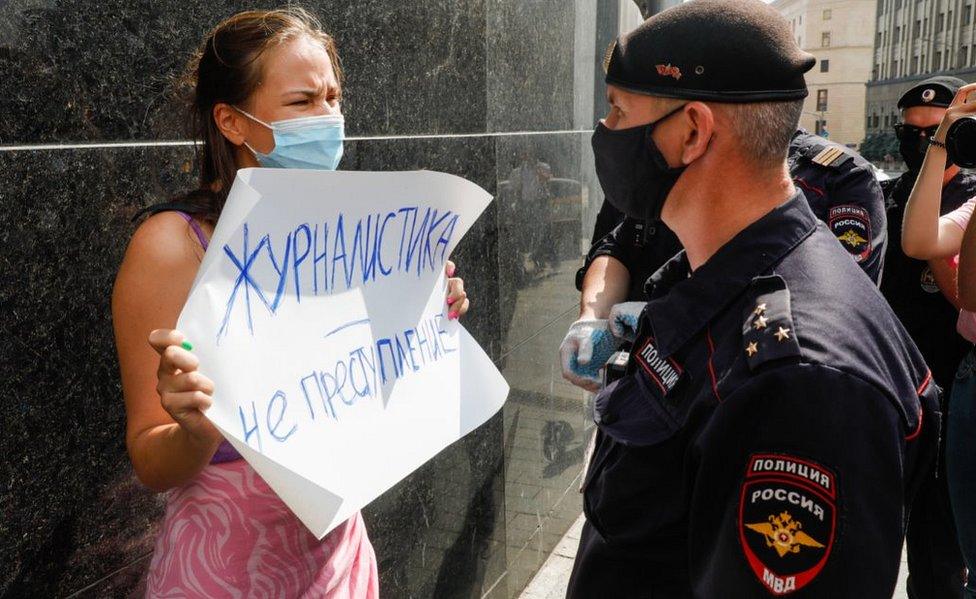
(825,66)
(940,25)
(877,120)
(887,124)
(821,127)
(937,61)
(917,29)
(821,100)
(967,14)
(964,56)
(914,65)
(826,14)
(825,39)
(878,42)
(897,34)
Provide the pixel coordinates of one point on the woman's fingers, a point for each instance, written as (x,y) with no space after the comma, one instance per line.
(463,308)
(174,358)
(457,298)
(450,268)
(160,339)
(963,94)
(180,404)
(186,381)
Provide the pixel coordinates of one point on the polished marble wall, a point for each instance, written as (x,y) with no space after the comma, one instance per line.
(89,133)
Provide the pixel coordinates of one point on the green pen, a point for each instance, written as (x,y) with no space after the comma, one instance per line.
(187,346)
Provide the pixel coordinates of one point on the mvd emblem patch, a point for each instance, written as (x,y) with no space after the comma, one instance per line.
(851,225)
(787,520)
(665,372)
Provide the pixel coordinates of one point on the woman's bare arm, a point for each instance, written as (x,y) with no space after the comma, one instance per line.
(161,379)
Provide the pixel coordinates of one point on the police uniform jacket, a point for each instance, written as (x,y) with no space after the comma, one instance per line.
(910,288)
(839,185)
(772,426)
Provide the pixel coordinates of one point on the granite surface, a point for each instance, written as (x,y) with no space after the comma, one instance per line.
(105,70)
(480,517)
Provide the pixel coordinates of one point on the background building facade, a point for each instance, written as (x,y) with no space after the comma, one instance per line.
(915,39)
(840,33)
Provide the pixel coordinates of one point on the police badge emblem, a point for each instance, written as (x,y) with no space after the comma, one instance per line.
(852,226)
(787,520)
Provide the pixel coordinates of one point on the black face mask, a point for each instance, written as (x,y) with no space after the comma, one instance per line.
(635,177)
(912,146)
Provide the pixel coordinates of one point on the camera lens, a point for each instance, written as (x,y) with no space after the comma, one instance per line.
(961,142)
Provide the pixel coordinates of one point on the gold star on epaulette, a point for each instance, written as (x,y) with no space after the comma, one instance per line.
(759,309)
(782,334)
(760,323)
(752,349)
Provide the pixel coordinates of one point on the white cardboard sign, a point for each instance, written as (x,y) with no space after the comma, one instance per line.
(319,313)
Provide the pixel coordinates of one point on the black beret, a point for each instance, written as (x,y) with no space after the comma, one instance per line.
(720,50)
(934,91)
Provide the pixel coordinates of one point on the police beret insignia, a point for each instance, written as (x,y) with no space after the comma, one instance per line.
(852,226)
(666,70)
(747,45)
(787,520)
(934,91)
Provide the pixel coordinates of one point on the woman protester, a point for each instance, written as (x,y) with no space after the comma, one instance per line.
(952,238)
(266,91)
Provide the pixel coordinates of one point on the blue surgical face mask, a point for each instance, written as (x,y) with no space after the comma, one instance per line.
(308,142)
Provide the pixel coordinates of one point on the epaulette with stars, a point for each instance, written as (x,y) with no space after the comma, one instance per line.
(767,330)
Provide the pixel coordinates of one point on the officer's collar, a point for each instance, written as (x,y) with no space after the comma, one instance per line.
(682,303)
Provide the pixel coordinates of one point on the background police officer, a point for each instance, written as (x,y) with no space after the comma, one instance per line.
(774,418)
(839,184)
(912,287)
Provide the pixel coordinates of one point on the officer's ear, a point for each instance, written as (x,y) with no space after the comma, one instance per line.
(701,126)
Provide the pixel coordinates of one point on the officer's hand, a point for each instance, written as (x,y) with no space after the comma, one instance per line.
(585,350)
(624,318)
(960,107)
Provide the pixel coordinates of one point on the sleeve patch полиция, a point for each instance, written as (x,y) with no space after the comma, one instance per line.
(787,520)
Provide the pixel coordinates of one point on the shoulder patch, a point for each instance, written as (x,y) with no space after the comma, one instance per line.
(787,520)
(851,225)
(832,156)
(767,329)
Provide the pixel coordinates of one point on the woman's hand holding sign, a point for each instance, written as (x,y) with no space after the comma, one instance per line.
(457,298)
(184,392)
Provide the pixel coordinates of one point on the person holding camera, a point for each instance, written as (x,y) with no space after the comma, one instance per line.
(912,287)
(928,236)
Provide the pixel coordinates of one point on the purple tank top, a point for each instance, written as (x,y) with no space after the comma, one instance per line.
(225,451)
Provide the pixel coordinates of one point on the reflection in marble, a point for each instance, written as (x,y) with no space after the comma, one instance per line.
(107,72)
(71,507)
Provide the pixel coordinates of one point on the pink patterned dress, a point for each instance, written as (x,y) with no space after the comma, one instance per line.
(227,534)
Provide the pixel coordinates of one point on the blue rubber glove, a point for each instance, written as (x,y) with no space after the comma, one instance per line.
(624,318)
(585,350)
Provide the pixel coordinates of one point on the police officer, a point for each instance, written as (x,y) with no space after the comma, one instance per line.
(774,418)
(839,184)
(912,287)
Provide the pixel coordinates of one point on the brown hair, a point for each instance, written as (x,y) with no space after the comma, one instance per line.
(227,68)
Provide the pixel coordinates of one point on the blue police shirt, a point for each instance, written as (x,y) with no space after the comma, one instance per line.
(773,424)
